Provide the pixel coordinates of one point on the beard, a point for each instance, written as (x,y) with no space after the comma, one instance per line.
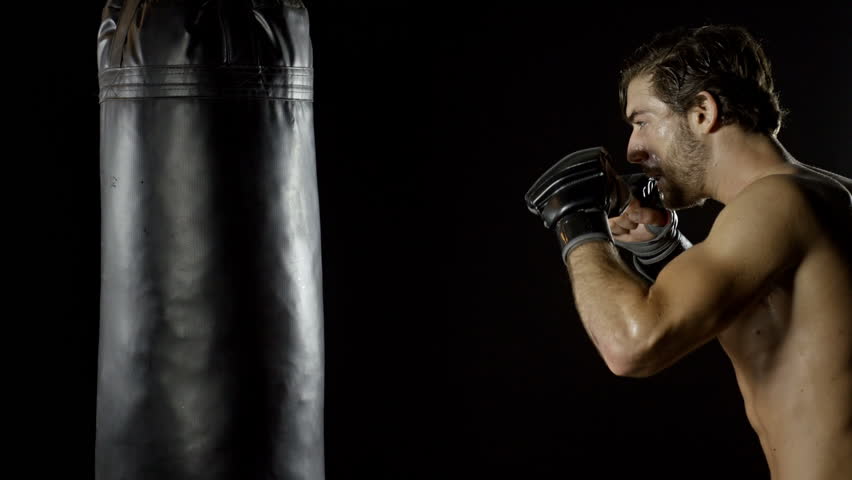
(684,171)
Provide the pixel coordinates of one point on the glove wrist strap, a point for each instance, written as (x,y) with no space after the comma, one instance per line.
(650,257)
(581,227)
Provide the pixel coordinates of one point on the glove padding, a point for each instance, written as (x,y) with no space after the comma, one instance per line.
(576,195)
(649,257)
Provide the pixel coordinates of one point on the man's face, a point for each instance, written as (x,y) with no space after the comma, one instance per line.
(664,146)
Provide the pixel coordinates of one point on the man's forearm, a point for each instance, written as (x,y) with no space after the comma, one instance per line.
(612,302)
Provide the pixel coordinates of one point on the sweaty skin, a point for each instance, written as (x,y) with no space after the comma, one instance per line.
(772,282)
(792,353)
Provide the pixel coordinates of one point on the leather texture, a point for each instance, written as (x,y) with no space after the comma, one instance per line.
(581,180)
(211,326)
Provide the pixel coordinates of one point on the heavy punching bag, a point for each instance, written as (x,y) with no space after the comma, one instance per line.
(210,352)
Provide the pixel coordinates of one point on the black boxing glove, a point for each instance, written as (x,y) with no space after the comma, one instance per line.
(576,196)
(649,257)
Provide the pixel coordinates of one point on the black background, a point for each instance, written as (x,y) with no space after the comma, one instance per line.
(452,346)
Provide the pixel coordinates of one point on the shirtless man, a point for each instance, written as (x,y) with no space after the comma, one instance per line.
(773,279)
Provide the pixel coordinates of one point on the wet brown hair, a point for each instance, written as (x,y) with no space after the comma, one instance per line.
(725,60)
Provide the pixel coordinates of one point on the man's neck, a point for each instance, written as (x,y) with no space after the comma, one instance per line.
(739,158)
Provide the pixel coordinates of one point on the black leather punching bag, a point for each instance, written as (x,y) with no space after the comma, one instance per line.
(210,352)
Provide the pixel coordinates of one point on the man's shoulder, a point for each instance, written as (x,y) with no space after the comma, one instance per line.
(824,178)
(803,192)
(783,196)
(826,196)
(796,207)
(809,206)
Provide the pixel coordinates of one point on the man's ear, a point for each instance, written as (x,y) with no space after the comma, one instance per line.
(704,117)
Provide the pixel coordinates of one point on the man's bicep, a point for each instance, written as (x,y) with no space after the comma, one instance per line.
(694,294)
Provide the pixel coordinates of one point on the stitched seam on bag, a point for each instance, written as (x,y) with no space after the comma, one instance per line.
(199,87)
(177,92)
(249,68)
(205,81)
(212,97)
(248,77)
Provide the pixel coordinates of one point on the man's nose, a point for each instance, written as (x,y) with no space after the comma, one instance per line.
(636,154)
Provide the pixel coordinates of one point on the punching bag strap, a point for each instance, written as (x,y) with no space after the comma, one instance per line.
(127,12)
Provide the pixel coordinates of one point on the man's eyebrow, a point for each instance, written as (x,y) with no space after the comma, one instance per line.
(630,118)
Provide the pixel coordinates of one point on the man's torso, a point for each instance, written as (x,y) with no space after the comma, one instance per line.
(792,349)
